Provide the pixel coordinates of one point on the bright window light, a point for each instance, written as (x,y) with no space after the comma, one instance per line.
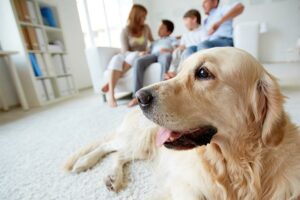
(102,21)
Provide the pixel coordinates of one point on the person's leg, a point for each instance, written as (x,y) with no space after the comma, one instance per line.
(126,67)
(130,58)
(219,42)
(113,79)
(165,60)
(115,63)
(223,42)
(176,56)
(139,67)
(188,51)
(205,45)
(118,65)
(115,67)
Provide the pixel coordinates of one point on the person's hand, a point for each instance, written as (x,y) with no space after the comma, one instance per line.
(181,47)
(164,50)
(166,76)
(169,75)
(142,53)
(214,27)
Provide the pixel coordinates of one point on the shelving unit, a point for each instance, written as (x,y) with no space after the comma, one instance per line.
(52,85)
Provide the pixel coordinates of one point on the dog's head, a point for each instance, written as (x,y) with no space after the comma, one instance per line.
(219,91)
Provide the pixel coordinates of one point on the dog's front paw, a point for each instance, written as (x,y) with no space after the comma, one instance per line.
(83,164)
(68,165)
(114,183)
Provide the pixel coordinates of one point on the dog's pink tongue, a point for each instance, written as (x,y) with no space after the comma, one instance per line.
(162,136)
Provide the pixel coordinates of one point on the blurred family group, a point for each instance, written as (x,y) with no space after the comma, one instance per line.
(140,50)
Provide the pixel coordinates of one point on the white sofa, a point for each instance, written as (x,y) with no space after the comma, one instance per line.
(98,59)
(246,36)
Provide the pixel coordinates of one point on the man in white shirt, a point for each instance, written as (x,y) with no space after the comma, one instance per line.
(217,26)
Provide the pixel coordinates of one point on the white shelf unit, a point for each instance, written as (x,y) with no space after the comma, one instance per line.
(52,85)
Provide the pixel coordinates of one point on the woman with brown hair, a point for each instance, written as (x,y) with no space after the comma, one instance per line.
(134,42)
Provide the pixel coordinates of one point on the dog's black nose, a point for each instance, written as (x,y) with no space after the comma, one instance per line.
(144,97)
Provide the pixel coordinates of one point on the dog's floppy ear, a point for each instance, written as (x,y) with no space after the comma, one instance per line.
(268,110)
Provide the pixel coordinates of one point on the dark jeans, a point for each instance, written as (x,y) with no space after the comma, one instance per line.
(140,65)
(219,42)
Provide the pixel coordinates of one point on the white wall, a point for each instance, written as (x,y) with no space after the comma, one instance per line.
(283,22)
(281,16)
(74,42)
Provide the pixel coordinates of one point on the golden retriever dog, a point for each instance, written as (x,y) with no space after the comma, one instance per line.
(133,140)
(222,130)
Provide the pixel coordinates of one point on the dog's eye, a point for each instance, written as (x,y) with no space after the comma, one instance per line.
(203,73)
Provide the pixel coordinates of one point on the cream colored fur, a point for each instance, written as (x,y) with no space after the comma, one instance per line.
(254,155)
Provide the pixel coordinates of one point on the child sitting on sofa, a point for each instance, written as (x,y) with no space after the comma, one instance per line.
(160,51)
(195,35)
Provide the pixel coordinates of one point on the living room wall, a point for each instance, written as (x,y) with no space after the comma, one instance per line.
(74,42)
(281,16)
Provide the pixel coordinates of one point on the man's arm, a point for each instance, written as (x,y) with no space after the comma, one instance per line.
(235,11)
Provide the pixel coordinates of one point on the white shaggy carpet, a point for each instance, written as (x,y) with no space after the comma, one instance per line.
(34,145)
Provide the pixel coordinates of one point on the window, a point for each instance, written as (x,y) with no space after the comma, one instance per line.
(102,21)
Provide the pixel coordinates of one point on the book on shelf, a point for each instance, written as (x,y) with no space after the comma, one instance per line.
(49,64)
(19,10)
(25,10)
(41,89)
(48,16)
(22,10)
(49,89)
(33,38)
(26,38)
(59,64)
(41,63)
(36,68)
(40,39)
(32,13)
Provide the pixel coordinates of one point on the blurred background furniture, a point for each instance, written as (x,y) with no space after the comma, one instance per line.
(246,36)
(14,74)
(42,62)
(98,59)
